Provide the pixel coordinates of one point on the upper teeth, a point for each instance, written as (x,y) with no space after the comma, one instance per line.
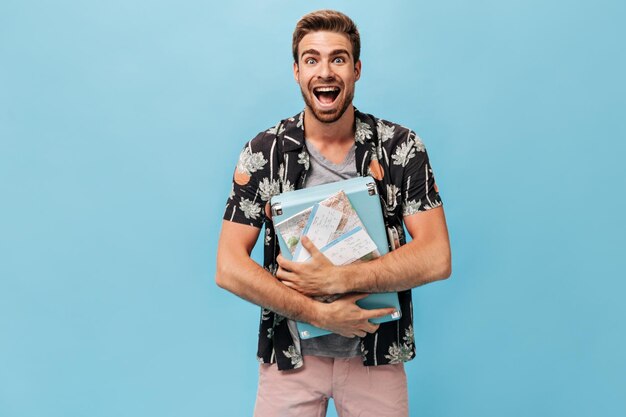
(327,89)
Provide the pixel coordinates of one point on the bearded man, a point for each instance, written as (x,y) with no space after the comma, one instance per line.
(359,365)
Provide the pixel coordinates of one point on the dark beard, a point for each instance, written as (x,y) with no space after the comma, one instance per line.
(327,117)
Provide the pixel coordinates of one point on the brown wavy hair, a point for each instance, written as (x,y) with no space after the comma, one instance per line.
(326,20)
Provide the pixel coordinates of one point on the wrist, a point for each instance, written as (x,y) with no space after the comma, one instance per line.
(317,315)
(345,279)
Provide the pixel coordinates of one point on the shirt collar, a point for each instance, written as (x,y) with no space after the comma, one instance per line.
(292,132)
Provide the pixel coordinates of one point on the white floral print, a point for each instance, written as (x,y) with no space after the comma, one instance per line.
(250,162)
(294,355)
(391,199)
(385,132)
(363,131)
(419,145)
(399,353)
(411,207)
(432,205)
(376,151)
(249,208)
(402,352)
(300,122)
(268,188)
(403,154)
(303,158)
(364,351)
(288,186)
(276,130)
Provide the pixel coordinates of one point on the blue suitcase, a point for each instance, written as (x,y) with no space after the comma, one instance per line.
(363,196)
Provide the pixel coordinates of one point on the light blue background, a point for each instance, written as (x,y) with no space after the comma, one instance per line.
(120,124)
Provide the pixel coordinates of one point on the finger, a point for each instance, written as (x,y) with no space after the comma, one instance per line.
(370,327)
(310,246)
(280,272)
(294,286)
(285,275)
(286,264)
(354,297)
(360,333)
(282,268)
(379,312)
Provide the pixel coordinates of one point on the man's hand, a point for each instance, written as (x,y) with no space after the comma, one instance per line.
(344,317)
(317,276)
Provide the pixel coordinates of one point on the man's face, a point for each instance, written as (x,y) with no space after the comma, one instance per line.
(326,73)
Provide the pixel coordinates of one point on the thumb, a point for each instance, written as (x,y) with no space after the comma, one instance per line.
(309,246)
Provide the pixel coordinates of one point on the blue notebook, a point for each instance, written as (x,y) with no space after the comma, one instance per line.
(364,198)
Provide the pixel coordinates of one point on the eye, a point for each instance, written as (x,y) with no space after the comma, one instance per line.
(339,60)
(310,61)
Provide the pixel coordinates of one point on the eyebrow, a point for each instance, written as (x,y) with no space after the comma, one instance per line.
(316,52)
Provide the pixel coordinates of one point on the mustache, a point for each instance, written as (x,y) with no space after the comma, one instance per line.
(326,81)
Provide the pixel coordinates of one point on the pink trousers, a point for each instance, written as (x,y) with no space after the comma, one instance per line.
(357,390)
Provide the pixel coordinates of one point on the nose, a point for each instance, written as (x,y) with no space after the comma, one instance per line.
(326,72)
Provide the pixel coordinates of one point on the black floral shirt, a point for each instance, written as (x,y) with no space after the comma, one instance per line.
(277,161)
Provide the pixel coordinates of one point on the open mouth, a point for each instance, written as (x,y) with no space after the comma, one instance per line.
(326,95)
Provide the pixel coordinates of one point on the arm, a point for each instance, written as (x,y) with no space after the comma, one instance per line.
(239,274)
(425,259)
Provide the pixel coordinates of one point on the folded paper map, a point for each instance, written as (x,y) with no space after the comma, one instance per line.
(334,227)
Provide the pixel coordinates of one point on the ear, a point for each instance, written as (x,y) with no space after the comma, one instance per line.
(357,70)
(296,72)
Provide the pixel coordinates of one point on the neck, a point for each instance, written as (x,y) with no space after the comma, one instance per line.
(338,132)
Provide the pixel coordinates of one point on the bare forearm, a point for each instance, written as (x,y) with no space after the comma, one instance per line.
(409,266)
(248,280)
(253,283)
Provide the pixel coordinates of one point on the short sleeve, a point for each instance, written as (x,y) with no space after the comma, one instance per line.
(246,202)
(419,190)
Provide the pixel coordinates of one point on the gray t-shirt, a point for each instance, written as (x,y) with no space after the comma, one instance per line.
(323,171)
